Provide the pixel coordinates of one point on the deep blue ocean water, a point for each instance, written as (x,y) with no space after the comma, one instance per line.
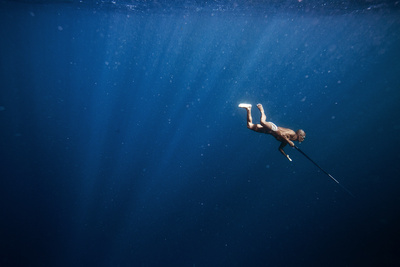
(122,143)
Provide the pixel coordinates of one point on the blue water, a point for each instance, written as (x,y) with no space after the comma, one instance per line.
(122,143)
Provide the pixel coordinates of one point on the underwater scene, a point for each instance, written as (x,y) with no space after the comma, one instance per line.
(123,143)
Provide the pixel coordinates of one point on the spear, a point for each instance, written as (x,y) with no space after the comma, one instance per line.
(330,176)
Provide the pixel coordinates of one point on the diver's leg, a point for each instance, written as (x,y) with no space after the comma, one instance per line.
(263,117)
(250,124)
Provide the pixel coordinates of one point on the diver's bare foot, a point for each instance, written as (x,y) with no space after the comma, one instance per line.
(246,106)
(259,106)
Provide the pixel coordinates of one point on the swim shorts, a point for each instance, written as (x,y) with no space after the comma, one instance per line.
(274,127)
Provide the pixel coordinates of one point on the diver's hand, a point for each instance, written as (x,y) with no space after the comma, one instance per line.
(288,158)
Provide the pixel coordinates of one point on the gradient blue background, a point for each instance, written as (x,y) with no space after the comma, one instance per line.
(122,143)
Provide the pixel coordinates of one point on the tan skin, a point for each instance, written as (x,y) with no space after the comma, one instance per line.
(284,135)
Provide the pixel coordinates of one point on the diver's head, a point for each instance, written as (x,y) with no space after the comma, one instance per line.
(301,135)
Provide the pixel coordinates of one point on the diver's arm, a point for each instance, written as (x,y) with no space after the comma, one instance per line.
(283,144)
(289,141)
(287,135)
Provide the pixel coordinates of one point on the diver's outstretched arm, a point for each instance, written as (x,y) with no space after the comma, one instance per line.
(283,144)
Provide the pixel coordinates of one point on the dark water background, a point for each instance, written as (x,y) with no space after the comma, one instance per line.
(122,143)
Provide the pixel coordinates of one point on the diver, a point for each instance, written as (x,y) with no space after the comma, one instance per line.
(284,135)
